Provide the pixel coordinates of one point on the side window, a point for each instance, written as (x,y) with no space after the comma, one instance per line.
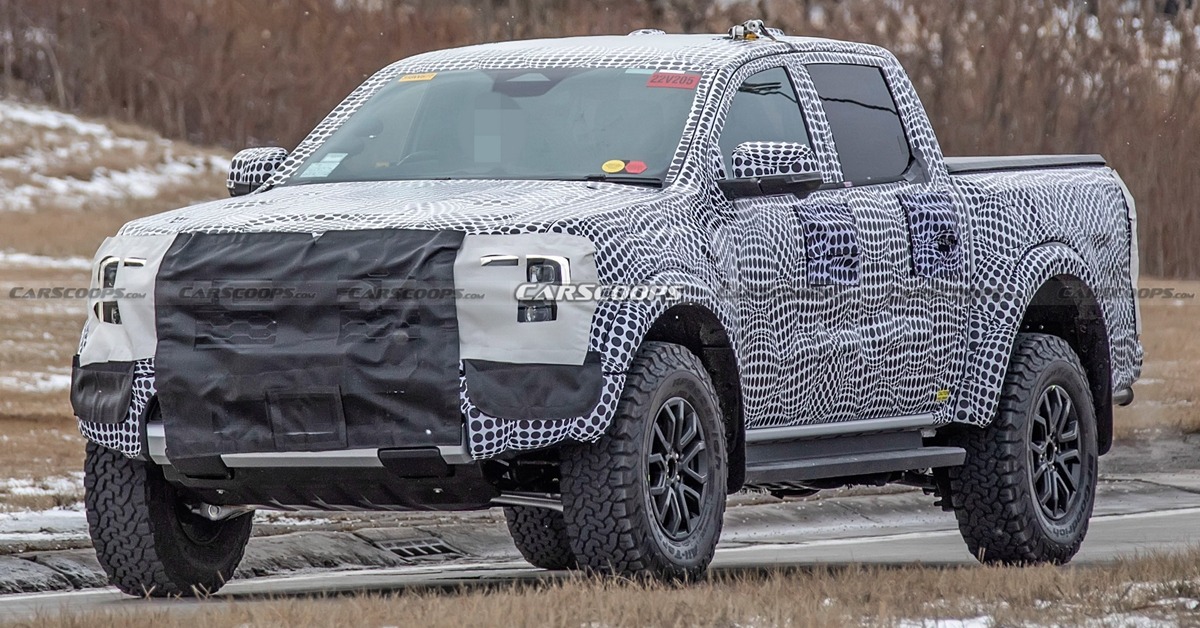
(765,109)
(865,122)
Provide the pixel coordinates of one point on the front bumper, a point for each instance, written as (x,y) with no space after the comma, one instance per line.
(440,478)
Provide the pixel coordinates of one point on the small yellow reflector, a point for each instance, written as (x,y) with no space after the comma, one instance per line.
(613,166)
(424,76)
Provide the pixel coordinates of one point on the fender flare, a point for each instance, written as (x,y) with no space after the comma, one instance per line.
(995,319)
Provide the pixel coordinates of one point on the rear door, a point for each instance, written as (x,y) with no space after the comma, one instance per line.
(910,296)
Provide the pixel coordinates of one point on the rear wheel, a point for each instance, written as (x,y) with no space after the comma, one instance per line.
(648,497)
(1026,491)
(540,534)
(147,539)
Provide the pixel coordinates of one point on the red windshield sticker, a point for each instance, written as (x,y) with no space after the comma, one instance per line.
(635,167)
(673,79)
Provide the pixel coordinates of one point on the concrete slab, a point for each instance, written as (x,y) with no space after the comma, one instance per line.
(18,575)
(78,566)
(298,551)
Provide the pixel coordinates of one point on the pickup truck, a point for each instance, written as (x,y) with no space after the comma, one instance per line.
(604,282)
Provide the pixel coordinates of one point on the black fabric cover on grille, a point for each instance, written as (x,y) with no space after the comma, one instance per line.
(290,342)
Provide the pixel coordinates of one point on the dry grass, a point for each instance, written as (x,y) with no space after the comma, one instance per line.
(64,231)
(84,178)
(1169,391)
(1159,587)
(38,434)
(38,337)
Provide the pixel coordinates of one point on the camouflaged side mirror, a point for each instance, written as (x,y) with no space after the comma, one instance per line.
(251,167)
(765,168)
(765,159)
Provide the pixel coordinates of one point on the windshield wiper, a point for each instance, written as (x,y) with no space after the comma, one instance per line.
(625,179)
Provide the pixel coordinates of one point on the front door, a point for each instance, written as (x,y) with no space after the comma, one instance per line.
(799,270)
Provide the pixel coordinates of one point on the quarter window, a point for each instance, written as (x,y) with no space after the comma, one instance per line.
(765,109)
(865,122)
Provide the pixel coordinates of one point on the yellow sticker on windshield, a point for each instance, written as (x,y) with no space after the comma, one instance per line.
(613,166)
(424,76)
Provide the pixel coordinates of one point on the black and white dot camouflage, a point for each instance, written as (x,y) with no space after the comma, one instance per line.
(764,158)
(848,305)
(253,166)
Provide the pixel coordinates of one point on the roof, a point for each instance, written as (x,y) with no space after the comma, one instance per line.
(658,51)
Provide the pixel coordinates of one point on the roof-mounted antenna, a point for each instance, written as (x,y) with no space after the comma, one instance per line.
(647,31)
(753,29)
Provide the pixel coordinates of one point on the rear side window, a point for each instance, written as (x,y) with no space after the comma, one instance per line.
(765,109)
(865,122)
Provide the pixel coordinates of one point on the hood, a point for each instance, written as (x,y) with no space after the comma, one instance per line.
(471,206)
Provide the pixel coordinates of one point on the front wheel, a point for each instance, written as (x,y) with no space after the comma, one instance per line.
(1026,491)
(648,497)
(147,539)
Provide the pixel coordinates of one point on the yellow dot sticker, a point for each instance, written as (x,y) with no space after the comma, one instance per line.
(942,396)
(424,76)
(613,166)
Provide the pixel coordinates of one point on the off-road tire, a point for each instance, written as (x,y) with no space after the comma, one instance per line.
(611,524)
(540,534)
(137,523)
(992,493)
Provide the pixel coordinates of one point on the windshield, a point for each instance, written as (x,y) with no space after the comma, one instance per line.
(548,123)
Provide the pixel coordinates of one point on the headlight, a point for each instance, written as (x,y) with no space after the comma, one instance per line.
(543,269)
(539,269)
(106,274)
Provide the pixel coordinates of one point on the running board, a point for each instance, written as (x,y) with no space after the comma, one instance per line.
(856,464)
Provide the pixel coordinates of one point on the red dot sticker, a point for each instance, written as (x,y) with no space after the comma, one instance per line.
(677,80)
(635,167)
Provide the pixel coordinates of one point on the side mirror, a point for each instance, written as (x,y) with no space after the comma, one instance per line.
(766,168)
(251,167)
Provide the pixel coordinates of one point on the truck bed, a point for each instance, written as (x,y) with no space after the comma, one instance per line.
(971,165)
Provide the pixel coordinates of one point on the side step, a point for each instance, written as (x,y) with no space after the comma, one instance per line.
(855,464)
(844,450)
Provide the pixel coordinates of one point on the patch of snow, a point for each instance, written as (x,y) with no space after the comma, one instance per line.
(1130,620)
(270,517)
(24,260)
(50,119)
(975,622)
(61,485)
(55,524)
(25,381)
(84,154)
